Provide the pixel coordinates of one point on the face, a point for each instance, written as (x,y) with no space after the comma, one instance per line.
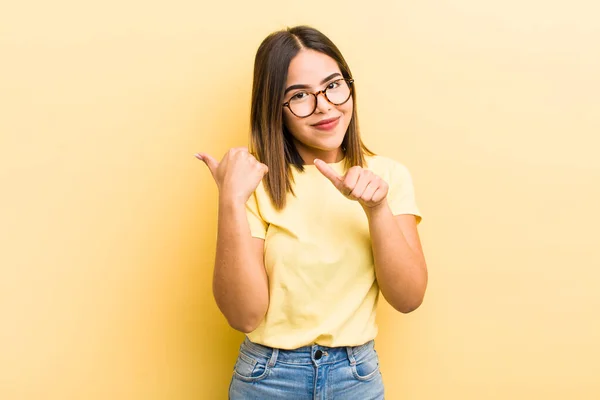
(321,134)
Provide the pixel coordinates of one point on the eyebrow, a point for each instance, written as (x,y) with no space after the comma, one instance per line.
(307,87)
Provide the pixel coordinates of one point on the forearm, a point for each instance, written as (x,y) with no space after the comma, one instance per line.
(240,284)
(401,271)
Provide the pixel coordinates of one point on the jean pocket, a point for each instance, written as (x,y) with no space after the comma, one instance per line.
(251,369)
(367,368)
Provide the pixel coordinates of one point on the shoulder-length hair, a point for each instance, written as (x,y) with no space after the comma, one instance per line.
(271,142)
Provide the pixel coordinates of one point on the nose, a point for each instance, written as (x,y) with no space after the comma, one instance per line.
(323,106)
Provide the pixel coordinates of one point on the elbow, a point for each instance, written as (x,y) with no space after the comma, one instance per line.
(242,328)
(245,326)
(248,320)
(415,299)
(409,307)
(410,304)
(404,305)
(241,315)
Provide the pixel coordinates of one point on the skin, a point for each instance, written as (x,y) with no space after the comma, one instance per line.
(311,68)
(240,283)
(400,265)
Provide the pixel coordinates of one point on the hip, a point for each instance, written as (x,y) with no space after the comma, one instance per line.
(310,372)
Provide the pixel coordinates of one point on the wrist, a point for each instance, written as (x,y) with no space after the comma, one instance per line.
(227,200)
(377,210)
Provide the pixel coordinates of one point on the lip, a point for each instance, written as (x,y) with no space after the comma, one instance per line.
(327,124)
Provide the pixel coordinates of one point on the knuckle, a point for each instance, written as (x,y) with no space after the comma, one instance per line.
(231,154)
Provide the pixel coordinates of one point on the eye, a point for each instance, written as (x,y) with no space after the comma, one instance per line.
(298,96)
(333,84)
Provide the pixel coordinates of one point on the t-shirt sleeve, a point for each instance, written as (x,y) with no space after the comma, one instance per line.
(258,226)
(401,194)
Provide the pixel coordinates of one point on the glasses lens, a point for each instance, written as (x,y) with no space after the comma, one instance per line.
(302,104)
(338,92)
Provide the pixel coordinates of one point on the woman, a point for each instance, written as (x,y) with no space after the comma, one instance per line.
(311,226)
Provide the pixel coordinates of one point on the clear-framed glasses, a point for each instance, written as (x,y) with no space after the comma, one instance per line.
(303,104)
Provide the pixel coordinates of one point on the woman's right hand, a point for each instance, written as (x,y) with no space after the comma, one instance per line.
(237,175)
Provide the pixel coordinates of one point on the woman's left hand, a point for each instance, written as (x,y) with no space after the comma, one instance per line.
(357,184)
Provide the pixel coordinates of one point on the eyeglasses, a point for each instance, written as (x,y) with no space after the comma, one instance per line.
(304,104)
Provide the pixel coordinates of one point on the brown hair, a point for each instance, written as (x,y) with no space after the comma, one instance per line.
(271,142)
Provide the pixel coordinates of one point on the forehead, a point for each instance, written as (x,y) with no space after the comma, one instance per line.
(310,67)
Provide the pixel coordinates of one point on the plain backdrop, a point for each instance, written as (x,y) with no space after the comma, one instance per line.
(108,222)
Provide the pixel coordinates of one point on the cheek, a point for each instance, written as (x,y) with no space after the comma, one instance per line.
(347,108)
(292,124)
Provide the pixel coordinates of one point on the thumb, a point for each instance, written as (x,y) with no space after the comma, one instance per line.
(328,172)
(210,162)
(265,169)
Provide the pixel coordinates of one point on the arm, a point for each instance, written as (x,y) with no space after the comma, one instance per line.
(240,284)
(399,261)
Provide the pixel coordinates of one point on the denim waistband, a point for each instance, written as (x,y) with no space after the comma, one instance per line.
(309,354)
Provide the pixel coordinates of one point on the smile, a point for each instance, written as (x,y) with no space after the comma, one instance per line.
(327,124)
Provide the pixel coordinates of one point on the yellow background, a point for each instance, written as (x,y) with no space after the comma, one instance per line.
(108,222)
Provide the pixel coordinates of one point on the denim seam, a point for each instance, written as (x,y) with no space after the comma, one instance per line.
(250,353)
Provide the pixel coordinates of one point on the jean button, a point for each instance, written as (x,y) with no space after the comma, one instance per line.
(318,354)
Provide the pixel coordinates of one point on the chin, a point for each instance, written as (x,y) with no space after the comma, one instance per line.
(329,145)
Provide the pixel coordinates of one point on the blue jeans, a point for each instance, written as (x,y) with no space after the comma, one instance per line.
(308,373)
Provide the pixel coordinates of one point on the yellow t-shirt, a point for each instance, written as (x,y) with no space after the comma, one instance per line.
(319,259)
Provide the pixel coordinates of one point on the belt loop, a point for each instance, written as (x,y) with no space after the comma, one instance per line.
(273,358)
(350,352)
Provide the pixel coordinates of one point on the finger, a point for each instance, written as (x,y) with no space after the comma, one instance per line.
(210,162)
(361,185)
(262,168)
(372,187)
(350,180)
(379,194)
(328,172)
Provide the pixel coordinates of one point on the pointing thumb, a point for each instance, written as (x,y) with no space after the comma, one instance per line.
(210,162)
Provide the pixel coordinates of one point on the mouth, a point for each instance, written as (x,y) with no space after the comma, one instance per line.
(327,124)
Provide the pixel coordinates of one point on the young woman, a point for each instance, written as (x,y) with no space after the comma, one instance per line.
(311,226)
